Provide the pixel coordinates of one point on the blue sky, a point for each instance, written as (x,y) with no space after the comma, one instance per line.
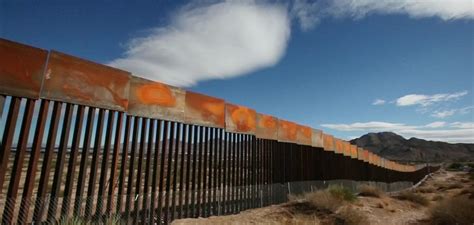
(319,63)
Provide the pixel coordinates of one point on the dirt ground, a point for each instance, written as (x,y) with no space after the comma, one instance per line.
(384,210)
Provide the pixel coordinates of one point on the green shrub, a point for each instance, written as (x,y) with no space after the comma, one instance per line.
(341,192)
(455,166)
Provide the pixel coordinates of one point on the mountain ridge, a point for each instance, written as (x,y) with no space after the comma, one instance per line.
(395,147)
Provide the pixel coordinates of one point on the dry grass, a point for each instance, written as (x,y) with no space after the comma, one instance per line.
(370,191)
(465,180)
(465,191)
(321,200)
(303,220)
(412,197)
(78,221)
(456,210)
(444,186)
(437,198)
(427,189)
(328,206)
(350,216)
(454,186)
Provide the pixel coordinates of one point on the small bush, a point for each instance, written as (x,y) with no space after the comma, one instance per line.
(453,186)
(324,200)
(437,198)
(453,211)
(464,180)
(455,166)
(350,216)
(370,191)
(412,197)
(466,191)
(471,176)
(425,189)
(341,192)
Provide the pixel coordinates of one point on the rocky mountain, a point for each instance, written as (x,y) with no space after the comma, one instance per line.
(395,147)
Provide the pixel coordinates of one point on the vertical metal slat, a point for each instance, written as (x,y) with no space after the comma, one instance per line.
(23,214)
(18,163)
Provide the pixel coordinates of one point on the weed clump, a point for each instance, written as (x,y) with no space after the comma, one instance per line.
(412,197)
(350,216)
(370,191)
(456,210)
(341,192)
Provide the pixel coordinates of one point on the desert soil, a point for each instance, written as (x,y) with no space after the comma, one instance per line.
(384,210)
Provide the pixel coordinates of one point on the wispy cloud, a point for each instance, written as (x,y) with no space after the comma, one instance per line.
(436,124)
(463,125)
(226,39)
(451,112)
(378,102)
(443,113)
(426,100)
(307,13)
(369,126)
(211,41)
(457,132)
(311,12)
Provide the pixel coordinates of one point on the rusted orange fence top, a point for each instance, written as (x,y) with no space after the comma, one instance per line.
(31,72)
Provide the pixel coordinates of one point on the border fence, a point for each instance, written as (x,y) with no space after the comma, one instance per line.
(86,141)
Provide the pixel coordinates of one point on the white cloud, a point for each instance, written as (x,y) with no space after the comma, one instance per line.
(306,13)
(369,126)
(451,112)
(451,135)
(378,102)
(310,12)
(216,41)
(426,100)
(463,125)
(444,9)
(443,114)
(225,39)
(436,124)
(458,132)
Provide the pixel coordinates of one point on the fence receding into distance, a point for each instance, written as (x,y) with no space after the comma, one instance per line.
(84,140)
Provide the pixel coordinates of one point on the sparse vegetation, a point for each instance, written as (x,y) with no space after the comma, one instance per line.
(444,186)
(370,191)
(74,221)
(325,200)
(455,166)
(437,198)
(320,200)
(428,189)
(341,192)
(456,210)
(79,221)
(412,197)
(351,216)
(454,186)
(330,204)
